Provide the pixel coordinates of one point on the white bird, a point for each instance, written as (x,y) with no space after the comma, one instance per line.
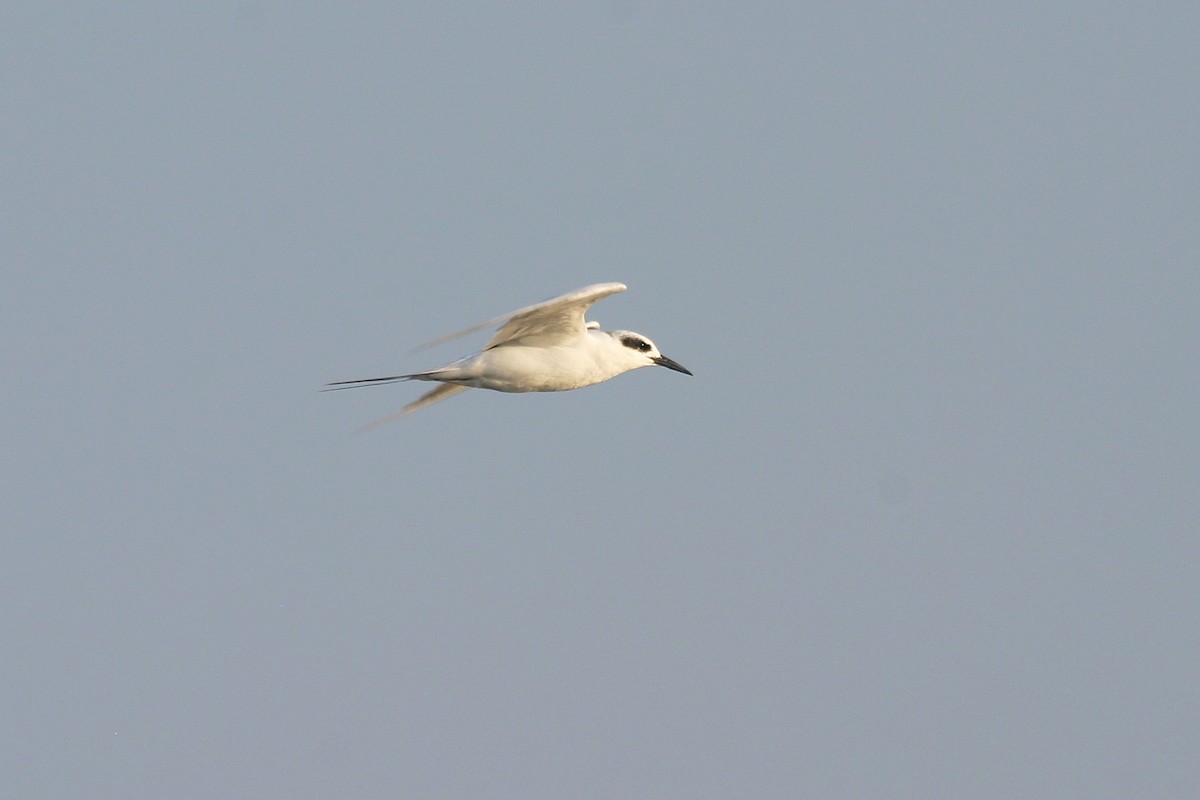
(548,347)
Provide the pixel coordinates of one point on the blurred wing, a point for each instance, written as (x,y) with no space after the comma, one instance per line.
(559,317)
(443,391)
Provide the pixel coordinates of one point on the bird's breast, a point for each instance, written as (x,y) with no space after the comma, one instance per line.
(516,368)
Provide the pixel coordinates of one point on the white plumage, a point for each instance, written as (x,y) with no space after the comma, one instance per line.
(547,347)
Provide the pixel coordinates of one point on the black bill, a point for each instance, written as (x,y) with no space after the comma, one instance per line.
(663,361)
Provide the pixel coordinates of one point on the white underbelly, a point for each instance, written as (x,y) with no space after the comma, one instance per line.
(534,369)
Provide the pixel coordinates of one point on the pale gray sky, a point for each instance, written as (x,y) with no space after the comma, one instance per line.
(923,524)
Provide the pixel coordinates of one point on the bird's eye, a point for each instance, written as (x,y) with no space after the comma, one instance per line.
(644,347)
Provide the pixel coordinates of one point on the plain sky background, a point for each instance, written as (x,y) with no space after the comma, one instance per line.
(923,524)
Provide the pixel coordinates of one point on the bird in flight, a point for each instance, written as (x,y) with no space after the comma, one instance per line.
(547,347)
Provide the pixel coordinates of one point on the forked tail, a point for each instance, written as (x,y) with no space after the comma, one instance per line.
(331,387)
(443,391)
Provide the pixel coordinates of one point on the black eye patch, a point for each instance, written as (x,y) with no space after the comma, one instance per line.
(640,345)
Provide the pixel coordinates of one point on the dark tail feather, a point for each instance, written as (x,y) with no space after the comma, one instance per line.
(331,387)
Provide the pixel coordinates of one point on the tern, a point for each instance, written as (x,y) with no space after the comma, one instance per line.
(547,347)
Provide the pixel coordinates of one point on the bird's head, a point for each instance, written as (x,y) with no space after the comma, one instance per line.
(638,351)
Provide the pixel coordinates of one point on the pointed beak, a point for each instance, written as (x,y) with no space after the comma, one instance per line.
(663,361)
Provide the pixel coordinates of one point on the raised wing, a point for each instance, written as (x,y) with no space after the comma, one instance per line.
(559,317)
